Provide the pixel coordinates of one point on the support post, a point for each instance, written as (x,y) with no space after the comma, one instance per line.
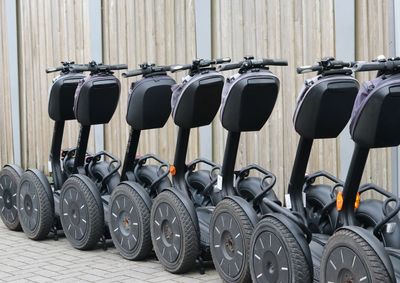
(96,53)
(12,45)
(204,50)
(345,50)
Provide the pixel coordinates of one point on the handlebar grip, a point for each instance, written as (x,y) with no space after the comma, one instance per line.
(176,68)
(80,68)
(132,73)
(369,66)
(118,67)
(222,60)
(54,69)
(308,69)
(231,66)
(273,62)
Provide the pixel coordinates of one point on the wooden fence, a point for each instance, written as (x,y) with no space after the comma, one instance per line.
(164,32)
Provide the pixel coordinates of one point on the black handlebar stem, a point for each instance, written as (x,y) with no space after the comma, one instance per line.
(147,69)
(199,65)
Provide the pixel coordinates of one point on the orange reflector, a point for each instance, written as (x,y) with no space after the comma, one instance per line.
(358,199)
(172,170)
(339,201)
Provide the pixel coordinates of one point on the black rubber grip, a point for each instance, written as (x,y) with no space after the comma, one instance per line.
(230,66)
(222,60)
(132,73)
(176,68)
(117,67)
(55,69)
(370,66)
(308,69)
(274,62)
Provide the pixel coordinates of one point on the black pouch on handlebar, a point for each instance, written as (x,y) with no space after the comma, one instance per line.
(376,116)
(324,106)
(248,100)
(149,102)
(195,102)
(61,96)
(96,99)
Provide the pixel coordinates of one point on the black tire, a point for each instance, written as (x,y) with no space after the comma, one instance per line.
(147,175)
(174,236)
(275,254)
(36,211)
(81,212)
(230,243)
(130,223)
(347,256)
(9,180)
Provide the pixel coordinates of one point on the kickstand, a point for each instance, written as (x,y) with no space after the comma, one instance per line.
(103,242)
(200,265)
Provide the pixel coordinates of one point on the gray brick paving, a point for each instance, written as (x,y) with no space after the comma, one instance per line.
(24,260)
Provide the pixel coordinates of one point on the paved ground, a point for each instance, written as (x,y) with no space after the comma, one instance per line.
(23,260)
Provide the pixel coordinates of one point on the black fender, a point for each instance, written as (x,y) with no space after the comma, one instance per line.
(247,208)
(141,192)
(376,245)
(371,213)
(16,168)
(93,189)
(103,169)
(46,185)
(298,235)
(187,202)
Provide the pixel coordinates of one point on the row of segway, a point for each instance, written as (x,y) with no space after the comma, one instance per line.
(231,215)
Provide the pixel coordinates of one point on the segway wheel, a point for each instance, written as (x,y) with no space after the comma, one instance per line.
(9,179)
(81,212)
(35,208)
(275,255)
(348,257)
(130,223)
(230,231)
(173,233)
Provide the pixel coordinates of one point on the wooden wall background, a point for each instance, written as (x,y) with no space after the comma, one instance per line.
(48,32)
(164,32)
(6,145)
(161,32)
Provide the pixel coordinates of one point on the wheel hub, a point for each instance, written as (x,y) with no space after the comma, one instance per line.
(75,214)
(228,244)
(271,266)
(167,233)
(346,276)
(7,199)
(125,223)
(28,206)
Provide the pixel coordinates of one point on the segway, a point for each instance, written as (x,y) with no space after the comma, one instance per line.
(37,198)
(282,246)
(368,249)
(149,107)
(175,220)
(120,206)
(248,100)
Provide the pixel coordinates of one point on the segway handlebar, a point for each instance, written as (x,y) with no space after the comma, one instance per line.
(65,67)
(146,69)
(390,65)
(326,64)
(97,68)
(200,63)
(250,63)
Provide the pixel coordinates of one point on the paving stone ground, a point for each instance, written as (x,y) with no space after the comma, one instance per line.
(24,260)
